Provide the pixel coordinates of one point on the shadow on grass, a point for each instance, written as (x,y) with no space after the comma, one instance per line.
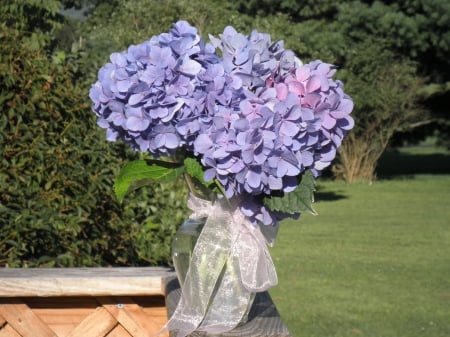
(323,195)
(394,163)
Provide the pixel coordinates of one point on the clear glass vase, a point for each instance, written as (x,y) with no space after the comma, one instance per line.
(182,247)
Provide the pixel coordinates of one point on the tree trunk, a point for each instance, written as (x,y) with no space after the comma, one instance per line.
(358,158)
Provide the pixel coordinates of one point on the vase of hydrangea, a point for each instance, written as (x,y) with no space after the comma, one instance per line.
(246,120)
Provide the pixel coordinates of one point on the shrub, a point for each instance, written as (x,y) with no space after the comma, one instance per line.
(57,206)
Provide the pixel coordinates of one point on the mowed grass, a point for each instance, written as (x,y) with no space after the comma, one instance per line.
(374,262)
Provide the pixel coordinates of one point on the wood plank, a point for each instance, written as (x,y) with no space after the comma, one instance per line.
(132,317)
(8,331)
(23,319)
(18,282)
(98,324)
(150,324)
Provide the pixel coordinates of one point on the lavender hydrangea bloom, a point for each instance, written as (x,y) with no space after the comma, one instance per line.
(317,91)
(284,118)
(257,118)
(151,95)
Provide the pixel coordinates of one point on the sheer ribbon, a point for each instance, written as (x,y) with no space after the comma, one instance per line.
(230,262)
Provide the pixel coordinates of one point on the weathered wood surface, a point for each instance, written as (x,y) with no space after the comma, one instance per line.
(264,319)
(83,281)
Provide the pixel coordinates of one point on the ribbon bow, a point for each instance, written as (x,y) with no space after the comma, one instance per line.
(230,262)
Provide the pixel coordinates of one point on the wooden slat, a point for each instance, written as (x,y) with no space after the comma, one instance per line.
(62,315)
(2,321)
(98,324)
(8,331)
(132,317)
(153,306)
(119,331)
(83,281)
(159,315)
(23,319)
(148,323)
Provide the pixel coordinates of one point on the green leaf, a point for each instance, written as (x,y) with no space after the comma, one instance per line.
(195,170)
(297,201)
(139,173)
(196,182)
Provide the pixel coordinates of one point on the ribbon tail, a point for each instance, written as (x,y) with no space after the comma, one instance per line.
(230,302)
(207,263)
(256,265)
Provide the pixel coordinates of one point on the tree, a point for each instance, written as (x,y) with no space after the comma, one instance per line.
(385,90)
(418,30)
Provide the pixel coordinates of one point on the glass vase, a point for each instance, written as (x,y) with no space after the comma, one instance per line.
(182,247)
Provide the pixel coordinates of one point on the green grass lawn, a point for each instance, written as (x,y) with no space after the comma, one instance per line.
(374,262)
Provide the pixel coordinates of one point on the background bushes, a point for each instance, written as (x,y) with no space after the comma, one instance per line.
(56,175)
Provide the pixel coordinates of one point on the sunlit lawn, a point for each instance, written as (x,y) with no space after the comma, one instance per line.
(374,262)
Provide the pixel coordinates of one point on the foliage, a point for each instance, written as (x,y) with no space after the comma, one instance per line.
(31,16)
(299,200)
(296,10)
(57,207)
(418,30)
(138,173)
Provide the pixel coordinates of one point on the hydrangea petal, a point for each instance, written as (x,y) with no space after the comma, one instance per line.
(314,84)
(134,123)
(328,122)
(253,178)
(203,143)
(189,67)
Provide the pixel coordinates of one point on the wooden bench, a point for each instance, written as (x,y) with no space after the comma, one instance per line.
(105,302)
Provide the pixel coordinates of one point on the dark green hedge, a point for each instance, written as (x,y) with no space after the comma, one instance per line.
(57,206)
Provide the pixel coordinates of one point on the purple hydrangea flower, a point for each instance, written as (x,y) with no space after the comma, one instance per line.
(257,118)
(283,118)
(152,94)
(330,106)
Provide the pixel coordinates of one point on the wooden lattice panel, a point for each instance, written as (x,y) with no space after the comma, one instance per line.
(120,316)
(83,302)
